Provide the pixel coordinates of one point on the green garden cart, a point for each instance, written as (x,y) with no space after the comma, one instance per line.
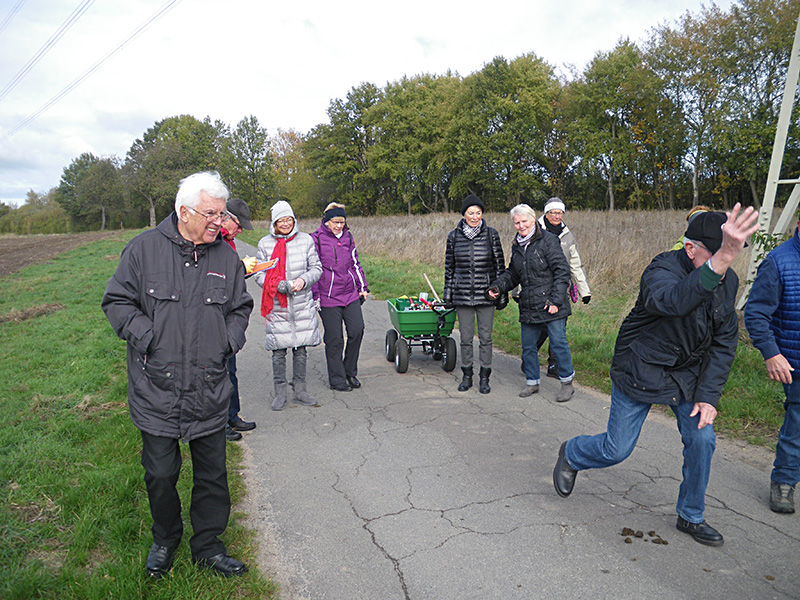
(421,324)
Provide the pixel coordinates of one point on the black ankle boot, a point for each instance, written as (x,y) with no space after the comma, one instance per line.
(466,381)
(483,386)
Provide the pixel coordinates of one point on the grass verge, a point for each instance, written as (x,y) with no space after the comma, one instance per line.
(75,521)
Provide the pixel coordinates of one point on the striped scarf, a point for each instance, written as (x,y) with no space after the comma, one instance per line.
(524,241)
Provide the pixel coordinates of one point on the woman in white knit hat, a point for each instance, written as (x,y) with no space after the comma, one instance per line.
(552,221)
(287,302)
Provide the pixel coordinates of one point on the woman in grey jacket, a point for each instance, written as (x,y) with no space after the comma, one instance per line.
(287,302)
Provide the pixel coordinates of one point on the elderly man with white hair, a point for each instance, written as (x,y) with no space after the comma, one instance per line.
(179,300)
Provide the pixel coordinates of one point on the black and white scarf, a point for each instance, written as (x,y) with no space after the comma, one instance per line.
(471,232)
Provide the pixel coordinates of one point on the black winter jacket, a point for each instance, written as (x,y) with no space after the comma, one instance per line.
(183,310)
(678,343)
(543,272)
(470,265)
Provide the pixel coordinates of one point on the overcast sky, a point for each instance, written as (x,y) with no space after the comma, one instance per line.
(228,59)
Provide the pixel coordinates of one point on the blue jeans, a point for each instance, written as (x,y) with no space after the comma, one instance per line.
(625,420)
(557,332)
(787,454)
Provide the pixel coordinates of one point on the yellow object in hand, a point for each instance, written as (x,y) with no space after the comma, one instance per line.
(250,263)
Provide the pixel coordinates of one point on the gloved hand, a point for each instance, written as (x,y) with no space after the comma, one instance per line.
(586,299)
(317,305)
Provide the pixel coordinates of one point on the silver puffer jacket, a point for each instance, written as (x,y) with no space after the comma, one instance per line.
(297,324)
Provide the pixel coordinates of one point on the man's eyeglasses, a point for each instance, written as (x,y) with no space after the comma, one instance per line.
(229,216)
(211,217)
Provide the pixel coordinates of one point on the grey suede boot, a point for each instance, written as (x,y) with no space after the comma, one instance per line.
(466,381)
(565,393)
(281,391)
(301,396)
(483,386)
(529,390)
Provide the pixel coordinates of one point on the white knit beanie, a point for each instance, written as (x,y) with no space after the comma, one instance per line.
(282,209)
(555,204)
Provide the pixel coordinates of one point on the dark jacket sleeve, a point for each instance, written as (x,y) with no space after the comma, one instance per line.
(499,265)
(668,295)
(449,268)
(510,277)
(761,305)
(121,302)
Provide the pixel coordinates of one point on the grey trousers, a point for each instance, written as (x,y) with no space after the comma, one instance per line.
(466,326)
(299,359)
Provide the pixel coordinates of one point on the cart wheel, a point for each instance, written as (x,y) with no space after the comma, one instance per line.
(449,356)
(391,342)
(401,356)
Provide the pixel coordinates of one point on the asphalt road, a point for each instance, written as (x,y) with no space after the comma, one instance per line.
(409,489)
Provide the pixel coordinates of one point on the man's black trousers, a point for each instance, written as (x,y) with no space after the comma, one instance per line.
(211,501)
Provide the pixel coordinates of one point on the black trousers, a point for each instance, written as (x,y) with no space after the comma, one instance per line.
(332,318)
(211,500)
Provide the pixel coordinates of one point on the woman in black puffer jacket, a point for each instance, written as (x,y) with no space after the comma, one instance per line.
(473,259)
(539,266)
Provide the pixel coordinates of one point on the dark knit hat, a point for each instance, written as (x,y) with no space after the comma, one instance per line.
(706,228)
(471,200)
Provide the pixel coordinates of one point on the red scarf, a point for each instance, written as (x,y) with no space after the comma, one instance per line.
(274,276)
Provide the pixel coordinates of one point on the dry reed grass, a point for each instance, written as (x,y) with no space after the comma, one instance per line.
(615,246)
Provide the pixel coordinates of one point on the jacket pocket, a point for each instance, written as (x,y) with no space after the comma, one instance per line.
(165,300)
(648,366)
(154,384)
(216,389)
(215,329)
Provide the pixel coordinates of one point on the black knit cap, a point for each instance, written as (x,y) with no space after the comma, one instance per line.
(471,200)
(706,228)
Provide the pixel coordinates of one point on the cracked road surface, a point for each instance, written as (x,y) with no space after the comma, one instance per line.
(409,489)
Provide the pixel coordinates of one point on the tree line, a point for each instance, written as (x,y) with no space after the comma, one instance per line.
(688,116)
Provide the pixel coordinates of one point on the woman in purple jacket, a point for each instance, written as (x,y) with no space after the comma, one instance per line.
(340,291)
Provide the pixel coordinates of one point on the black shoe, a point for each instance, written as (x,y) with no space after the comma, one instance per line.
(232,435)
(353,382)
(701,532)
(240,425)
(159,560)
(222,564)
(563,474)
(342,387)
(552,371)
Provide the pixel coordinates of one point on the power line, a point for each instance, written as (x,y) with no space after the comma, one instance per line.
(10,16)
(40,54)
(155,16)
